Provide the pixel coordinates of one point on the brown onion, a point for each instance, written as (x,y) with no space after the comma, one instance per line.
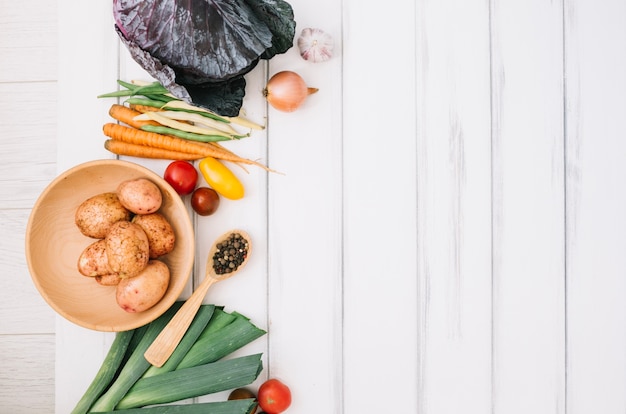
(286,91)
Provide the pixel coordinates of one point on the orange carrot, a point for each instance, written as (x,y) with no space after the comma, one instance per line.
(145,108)
(126,115)
(152,139)
(142,151)
(221,148)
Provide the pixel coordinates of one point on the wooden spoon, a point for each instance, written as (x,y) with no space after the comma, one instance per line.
(165,343)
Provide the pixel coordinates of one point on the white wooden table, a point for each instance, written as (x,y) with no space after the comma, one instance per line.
(450,232)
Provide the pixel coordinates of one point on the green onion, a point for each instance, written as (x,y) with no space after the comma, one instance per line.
(189,135)
(200,321)
(136,365)
(145,102)
(110,366)
(127,85)
(220,407)
(223,342)
(192,382)
(162,98)
(152,89)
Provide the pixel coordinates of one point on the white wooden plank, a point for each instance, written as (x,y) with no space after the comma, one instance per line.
(29,141)
(27,375)
(23,310)
(454,207)
(80,138)
(79,352)
(27,75)
(304,225)
(528,230)
(28,34)
(596,200)
(380,284)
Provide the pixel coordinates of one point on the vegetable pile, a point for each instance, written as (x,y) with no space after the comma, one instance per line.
(197,367)
(162,127)
(131,237)
(201,50)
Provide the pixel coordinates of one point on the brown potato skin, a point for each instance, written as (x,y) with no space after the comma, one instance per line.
(108,280)
(161,237)
(93,261)
(141,292)
(95,215)
(140,196)
(127,249)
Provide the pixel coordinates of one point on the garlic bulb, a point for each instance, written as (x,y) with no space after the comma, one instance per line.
(315,45)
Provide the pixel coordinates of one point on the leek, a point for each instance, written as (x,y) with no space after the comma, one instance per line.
(221,407)
(196,368)
(192,382)
(136,365)
(199,323)
(110,366)
(223,342)
(220,319)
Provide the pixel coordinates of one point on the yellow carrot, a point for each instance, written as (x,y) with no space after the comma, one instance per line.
(244,122)
(195,118)
(181,126)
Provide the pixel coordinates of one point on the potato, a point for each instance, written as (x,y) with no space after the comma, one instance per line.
(95,215)
(127,249)
(141,292)
(160,234)
(141,196)
(93,261)
(108,280)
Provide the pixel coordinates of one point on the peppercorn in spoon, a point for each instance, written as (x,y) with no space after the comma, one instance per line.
(228,255)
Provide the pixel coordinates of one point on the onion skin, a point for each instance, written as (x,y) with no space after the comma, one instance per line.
(286,91)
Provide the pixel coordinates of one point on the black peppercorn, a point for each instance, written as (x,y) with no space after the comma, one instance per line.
(230,254)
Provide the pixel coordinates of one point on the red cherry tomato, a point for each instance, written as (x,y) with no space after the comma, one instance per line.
(182,176)
(274,396)
(205,201)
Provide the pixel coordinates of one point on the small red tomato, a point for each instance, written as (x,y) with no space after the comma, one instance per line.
(274,396)
(205,201)
(182,176)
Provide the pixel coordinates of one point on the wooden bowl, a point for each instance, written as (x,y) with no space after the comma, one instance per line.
(54,243)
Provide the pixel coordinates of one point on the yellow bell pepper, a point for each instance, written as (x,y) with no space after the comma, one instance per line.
(221,179)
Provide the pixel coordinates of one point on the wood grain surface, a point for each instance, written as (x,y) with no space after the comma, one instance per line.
(448,233)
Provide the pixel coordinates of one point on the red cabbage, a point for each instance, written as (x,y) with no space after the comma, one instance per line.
(200,50)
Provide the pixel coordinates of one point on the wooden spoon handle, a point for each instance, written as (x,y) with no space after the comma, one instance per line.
(165,343)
